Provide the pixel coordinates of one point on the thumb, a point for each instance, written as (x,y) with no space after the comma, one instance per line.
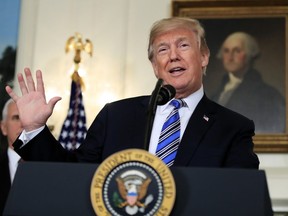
(52,102)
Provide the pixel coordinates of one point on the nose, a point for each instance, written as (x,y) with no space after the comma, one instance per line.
(229,55)
(174,55)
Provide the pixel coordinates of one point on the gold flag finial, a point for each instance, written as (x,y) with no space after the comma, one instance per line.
(75,43)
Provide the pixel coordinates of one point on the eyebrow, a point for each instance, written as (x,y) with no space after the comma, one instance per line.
(177,41)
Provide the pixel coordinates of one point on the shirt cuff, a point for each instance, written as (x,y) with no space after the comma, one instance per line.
(25,137)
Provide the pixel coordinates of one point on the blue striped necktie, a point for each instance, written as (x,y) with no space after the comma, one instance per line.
(170,134)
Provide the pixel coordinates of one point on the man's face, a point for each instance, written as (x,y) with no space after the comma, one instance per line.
(178,60)
(11,126)
(234,57)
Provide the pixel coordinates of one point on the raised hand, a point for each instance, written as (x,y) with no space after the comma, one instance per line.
(33,109)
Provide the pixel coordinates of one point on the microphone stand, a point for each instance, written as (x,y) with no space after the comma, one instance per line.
(151,113)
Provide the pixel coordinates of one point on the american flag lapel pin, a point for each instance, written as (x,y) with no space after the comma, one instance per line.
(205,118)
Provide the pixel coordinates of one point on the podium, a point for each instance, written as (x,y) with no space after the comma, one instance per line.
(44,188)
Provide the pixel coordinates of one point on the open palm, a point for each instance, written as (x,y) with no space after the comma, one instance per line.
(33,109)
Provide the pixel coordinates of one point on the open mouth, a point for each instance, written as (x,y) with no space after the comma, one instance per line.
(176,69)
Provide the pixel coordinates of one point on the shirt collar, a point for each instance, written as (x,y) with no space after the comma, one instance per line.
(192,100)
(13,156)
(234,79)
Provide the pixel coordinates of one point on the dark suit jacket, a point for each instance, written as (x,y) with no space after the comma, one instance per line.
(214,137)
(5,181)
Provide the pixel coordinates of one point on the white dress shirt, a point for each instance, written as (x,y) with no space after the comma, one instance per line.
(229,88)
(13,158)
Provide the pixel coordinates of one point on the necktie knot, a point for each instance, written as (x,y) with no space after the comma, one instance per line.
(178,103)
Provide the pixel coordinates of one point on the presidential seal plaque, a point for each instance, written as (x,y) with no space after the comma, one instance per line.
(133,182)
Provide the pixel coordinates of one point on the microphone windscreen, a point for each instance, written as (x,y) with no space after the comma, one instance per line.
(166,93)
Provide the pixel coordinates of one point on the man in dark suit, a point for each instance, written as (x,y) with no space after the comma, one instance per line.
(10,129)
(211,135)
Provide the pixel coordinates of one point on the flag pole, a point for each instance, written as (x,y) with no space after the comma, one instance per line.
(74,129)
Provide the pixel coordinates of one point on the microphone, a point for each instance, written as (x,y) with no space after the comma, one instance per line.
(160,96)
(166,93)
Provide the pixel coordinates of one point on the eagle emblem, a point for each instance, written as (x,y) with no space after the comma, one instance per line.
(132,186)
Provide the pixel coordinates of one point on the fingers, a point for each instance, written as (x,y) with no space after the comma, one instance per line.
(22,84)
(11,93)
(29,79)
(29,85)
(39,81)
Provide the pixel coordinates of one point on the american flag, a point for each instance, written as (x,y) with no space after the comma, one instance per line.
(74,129)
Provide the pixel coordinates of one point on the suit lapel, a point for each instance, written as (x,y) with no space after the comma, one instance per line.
(141,118)
(200,121)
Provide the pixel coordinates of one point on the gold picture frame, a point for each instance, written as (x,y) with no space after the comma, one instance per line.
(247,11)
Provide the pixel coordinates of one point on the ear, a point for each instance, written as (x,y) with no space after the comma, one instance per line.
(204,59)
(3,128)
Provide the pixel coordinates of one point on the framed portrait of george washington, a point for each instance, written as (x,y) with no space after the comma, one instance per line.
(260,92)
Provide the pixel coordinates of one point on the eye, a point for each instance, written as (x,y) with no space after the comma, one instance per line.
(237,50)
(225,51)
(162,50)
(15,117)
(184,45)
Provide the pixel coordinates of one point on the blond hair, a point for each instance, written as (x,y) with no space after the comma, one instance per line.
(169,24)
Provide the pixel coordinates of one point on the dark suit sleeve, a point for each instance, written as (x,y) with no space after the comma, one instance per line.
(4,178)
(91,150)
(118,126)
(43,147)
(240,153)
